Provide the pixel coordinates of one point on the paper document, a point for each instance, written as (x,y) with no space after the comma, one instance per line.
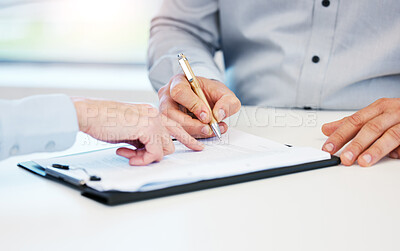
(237,153)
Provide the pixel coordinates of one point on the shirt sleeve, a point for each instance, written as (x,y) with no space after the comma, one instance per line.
(184,26)
(42,123)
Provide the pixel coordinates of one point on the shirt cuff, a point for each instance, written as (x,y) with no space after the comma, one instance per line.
(43,123)
(167,67)
(207,72)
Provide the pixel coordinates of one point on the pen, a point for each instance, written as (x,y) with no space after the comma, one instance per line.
(194,83)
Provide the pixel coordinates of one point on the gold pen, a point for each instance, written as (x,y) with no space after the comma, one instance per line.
(194,83)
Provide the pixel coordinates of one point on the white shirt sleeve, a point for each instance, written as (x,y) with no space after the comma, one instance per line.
(42,123)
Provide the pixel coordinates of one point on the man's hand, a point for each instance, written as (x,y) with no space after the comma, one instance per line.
(178,95)
(374,131)
(137,124)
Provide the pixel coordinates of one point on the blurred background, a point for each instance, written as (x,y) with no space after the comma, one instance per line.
(80,47)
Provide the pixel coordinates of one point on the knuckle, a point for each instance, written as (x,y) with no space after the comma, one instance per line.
(338,138)
(231,104)
(377,150)
(356,120)
(357,146)
(194,106)
(201,81)
(153,110)
(162,90)
(380,101)
(232,100)
(383,103)
(383,100)
(374,127)
(234,105)
(395,134)
(177,92)
(237,104)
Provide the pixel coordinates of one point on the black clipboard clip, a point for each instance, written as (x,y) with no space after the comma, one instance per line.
(66,167)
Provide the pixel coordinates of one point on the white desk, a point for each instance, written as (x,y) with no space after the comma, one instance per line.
(337,208)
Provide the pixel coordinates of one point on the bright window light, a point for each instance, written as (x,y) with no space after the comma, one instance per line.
(94,31)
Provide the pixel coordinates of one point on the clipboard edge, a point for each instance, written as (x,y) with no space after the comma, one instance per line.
(113,198)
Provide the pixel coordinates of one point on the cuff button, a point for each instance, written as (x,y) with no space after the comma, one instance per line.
(51,145)
(14,150)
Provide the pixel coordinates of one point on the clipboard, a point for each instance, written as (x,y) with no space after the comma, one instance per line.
(112,198)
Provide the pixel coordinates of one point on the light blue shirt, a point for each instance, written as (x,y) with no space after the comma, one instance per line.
(308,53)
(37,124)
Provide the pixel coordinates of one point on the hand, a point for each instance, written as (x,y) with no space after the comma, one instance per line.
(178,92)
(374,131)
(137,124)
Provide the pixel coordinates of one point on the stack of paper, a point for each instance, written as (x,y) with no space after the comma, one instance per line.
(237,153)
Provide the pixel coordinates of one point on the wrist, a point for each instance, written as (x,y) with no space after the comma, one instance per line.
(81,108)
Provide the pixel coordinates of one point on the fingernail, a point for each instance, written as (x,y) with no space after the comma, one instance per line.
(221,128)
(203,116)
(206,130)
(394,155)
(221,114)
(348,155)
(367,158)
(329,147)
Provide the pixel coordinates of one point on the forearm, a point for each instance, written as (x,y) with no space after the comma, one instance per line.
(194,32)
(37,124)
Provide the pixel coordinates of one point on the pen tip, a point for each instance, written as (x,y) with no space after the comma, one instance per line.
(215,128)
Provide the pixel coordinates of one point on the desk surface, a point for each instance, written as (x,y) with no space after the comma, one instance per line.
(337,208)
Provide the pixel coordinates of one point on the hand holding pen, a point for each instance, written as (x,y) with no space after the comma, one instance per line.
(178,92)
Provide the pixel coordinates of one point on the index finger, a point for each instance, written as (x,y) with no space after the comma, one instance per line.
(226,102)
(329,128)
(177,131)
(349,128)
(182,93)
